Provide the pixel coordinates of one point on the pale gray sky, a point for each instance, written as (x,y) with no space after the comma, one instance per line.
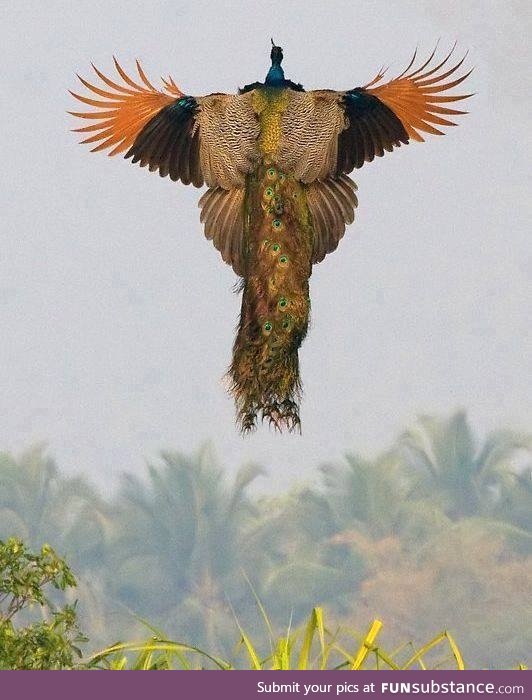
(117,314)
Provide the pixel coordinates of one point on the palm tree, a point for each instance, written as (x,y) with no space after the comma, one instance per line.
(177,554)
(39,505)
(442,457)
(292,560)
(515,501)
(366,495)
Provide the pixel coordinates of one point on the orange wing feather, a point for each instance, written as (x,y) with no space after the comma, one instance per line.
(416,98)
(124,111)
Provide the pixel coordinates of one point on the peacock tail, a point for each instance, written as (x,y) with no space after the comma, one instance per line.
(275,159)
(275,310)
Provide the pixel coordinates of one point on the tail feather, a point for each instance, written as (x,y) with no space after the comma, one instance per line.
(265,380)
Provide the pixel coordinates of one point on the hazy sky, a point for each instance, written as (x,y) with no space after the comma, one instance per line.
(117,315)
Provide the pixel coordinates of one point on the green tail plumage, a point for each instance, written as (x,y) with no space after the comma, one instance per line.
(275,302)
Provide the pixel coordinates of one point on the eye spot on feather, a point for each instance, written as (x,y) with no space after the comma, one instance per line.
(267,328)
(283,260)
(282,303)
(271,173)
(282,177)
(277,224)
(286,324)
(268,193)
(276,247)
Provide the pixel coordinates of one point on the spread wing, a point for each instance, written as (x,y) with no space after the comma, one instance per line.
(208,139)
(382,117)
(327,133)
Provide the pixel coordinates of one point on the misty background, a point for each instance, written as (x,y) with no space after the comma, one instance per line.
(117,314)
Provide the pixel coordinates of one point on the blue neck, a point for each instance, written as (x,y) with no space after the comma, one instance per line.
(275,75)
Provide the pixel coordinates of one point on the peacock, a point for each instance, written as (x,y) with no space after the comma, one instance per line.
(276,161)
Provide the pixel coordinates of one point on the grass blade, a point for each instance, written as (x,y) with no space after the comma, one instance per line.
(456,652)
(424,649)
(315,623)
(367,645)
(253,657)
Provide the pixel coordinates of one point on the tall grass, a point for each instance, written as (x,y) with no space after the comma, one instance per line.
(312,646)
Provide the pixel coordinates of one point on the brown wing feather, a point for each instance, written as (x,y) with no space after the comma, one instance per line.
(311,124)
(332,204)
(229,129)
(222,212)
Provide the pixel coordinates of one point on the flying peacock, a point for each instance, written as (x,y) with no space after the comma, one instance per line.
(275,159)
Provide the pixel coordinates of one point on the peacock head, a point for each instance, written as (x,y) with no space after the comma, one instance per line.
(276,54)
(275,75)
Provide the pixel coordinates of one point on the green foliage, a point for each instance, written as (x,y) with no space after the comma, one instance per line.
(38,504)
(184,534)
(24,580)
(367,494)
(447,467)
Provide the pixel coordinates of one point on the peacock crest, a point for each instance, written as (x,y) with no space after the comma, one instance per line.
(275,159)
